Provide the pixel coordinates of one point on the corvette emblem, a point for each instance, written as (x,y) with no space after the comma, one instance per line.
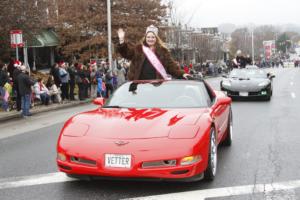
(121,143)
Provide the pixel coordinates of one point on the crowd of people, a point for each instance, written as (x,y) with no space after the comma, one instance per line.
(20,90)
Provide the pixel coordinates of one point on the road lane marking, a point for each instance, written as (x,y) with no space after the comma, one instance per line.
(292,83)
(293,95)
(59,177)
(228,191)
(41,179)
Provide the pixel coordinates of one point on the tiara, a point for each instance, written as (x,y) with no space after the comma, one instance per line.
(152,29)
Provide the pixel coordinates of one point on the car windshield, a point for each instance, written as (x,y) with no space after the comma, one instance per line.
(169,94)
(248,73)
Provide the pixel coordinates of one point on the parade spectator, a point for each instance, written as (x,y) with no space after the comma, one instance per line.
(93,65)
(4,79)
(72,72)
(114,80)
(100,87)
(120,74)
(8,94)
(86,81)
(158,63)
(186,69)
(55,73)
(24,84)
(211,69)
(108,83)
(296,63)
(16,72)
(248,60)
(11,67)
(64,79)
(41,92)
(191,66)
(79,77)
(54,92)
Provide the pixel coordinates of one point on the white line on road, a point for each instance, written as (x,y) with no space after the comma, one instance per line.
(292,83)
(34,180)
(228,191)
(293,95)
(279,195)
(59,177)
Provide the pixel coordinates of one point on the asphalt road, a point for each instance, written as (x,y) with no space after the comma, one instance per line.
(262,163)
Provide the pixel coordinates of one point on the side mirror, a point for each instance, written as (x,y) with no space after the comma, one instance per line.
(224,75)
(224,101)
(270,75)
(99,101)
(221,102)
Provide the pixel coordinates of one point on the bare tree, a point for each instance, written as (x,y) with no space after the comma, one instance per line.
(82,25)
(26,15)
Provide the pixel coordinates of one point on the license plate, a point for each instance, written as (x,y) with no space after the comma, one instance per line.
(118,160)
(244,94)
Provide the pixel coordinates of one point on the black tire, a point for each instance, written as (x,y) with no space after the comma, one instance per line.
(211,169)
(229,131)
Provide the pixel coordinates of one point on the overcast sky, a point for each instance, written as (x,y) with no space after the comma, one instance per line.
(209,13)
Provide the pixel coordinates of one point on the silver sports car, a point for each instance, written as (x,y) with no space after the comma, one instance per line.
(248,82)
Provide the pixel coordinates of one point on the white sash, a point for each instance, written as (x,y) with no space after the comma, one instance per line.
(155,62)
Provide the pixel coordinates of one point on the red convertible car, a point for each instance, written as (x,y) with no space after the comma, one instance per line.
(149,130)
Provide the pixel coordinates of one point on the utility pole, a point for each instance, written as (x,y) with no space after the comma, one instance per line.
(17,53)
(252,46)
(109,34)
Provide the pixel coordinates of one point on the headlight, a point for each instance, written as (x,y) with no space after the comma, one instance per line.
(226,83)
(76,130)
(263,83)
(61,156)
(190,160)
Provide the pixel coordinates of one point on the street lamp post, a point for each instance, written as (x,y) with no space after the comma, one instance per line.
(252,47)
(109,33)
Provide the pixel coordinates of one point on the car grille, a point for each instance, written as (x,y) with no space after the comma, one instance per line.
(83,161)
(233,93)
(254,93)
(161,163)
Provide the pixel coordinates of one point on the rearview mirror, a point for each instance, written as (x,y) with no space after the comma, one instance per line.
(99,101)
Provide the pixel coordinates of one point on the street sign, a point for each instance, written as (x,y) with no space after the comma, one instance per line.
(16,38)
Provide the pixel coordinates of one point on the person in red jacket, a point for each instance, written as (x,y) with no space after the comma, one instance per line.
(186,69)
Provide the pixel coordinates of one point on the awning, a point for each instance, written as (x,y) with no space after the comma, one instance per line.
(45,38)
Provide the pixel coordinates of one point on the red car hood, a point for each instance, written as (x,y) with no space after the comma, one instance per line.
(135,123)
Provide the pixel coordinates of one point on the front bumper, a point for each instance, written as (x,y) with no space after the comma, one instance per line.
(179,173)
(265,92)
(95,166)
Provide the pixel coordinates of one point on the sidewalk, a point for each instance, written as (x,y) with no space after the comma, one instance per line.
(4,116)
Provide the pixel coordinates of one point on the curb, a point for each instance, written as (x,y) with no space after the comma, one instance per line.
(15,114)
